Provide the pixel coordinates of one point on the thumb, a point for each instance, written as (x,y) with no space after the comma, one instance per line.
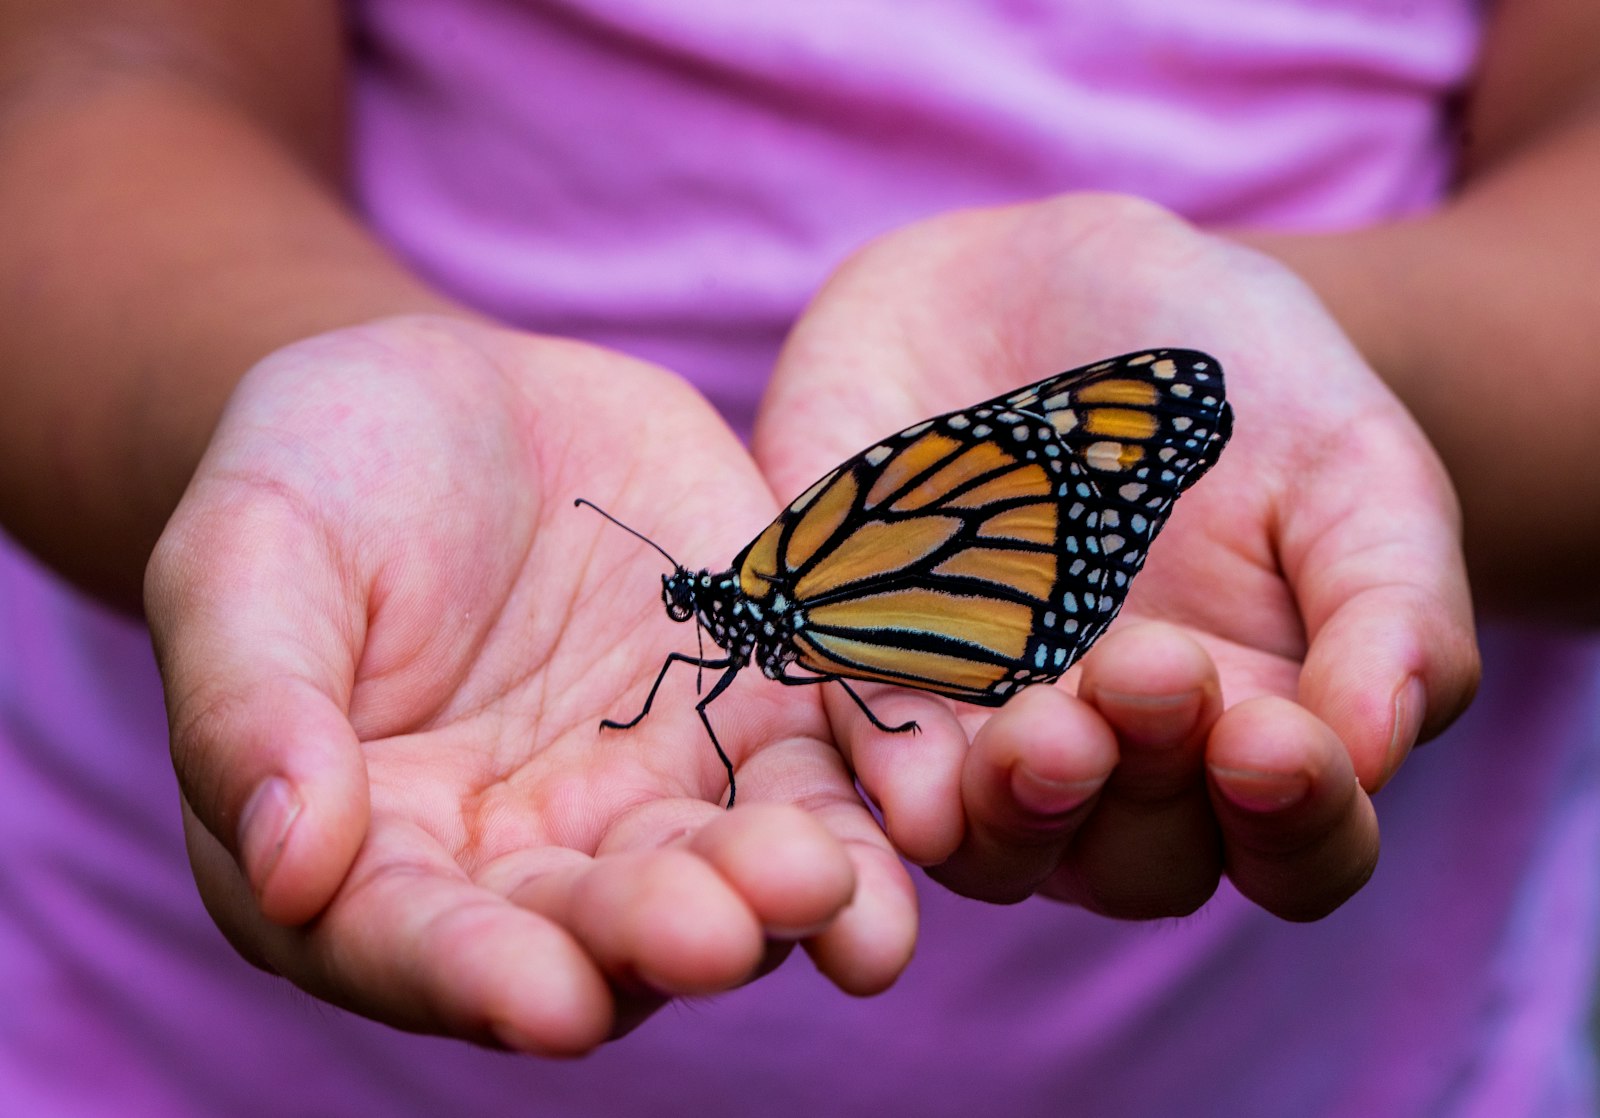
(1393,653)
(256,654)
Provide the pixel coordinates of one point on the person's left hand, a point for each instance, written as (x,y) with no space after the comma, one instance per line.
(388,640)
(1305,614)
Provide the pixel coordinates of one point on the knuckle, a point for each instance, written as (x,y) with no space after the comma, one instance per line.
(201,726)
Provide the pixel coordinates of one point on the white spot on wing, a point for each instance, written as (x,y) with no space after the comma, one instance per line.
(1105,455)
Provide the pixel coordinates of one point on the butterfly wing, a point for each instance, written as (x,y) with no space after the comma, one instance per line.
(1144,427)
(986,549)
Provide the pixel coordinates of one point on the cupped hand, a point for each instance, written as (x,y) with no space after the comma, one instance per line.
(1302,620)
(388,639)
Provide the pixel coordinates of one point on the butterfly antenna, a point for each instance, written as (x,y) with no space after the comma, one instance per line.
(639,535)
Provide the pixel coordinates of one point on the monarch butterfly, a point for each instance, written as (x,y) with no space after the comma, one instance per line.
(970,555)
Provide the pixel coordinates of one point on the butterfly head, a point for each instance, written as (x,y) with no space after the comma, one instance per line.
(678,594)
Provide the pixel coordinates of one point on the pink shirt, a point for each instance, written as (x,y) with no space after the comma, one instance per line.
(673,180)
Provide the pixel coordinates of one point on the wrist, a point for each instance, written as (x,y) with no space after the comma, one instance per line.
(186,244)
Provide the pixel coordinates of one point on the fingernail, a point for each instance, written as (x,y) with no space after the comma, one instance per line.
(795,933)
(264,828)
(1410,702)
(1162,722)
(1259,791)
(515,1040)
(1051,797)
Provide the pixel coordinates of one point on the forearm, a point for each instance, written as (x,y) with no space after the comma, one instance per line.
(1485,318)
(159,240)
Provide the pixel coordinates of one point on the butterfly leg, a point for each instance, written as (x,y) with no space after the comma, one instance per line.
(700,708)
(801,680)
(903,728)
(672,658)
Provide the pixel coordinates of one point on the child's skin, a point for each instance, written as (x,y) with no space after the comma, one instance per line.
(386,641)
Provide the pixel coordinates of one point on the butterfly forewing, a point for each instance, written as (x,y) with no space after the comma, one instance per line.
(986,549)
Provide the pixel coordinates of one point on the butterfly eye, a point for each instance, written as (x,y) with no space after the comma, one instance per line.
(677,594)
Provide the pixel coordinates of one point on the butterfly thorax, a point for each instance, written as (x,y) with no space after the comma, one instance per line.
(749,630)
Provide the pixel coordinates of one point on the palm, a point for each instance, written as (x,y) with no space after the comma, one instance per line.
(386,520)
(1328,516)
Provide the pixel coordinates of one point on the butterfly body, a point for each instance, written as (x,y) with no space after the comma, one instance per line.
(749,630)
(972,554)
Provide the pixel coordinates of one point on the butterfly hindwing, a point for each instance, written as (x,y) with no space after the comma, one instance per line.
(1143,428)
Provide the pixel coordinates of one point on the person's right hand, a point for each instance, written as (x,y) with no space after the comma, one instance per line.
(388,639)
(1306,606)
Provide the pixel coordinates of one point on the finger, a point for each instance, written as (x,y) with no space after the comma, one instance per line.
(1150,847)
(914,777)
(865,946)
(1393,656)
(255,656)
(794,875)
(870,944)
(1029,782)
(682,899)
(781,848)
(1299,833)
(658,922)
(413,944)
(851,901)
